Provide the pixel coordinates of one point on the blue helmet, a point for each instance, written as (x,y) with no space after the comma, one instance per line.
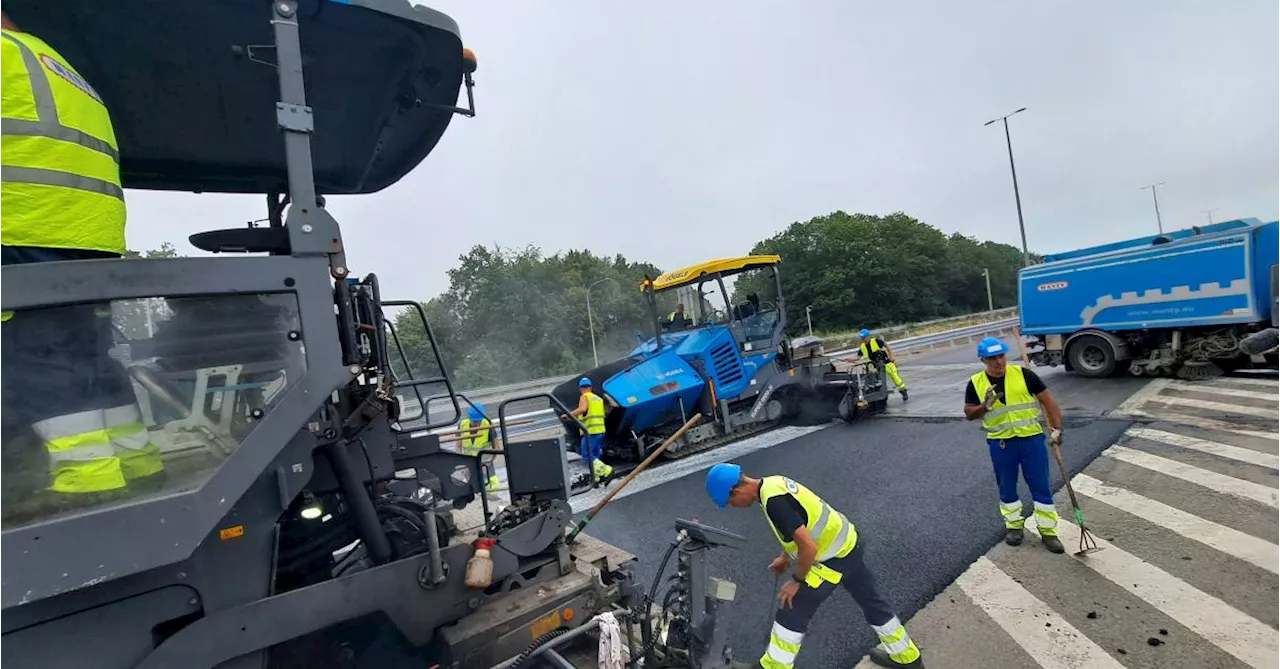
(720,481)
(584,382)
(476,412)
(990,347)
(864,333)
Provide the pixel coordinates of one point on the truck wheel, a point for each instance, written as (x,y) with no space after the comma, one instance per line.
(1092,356)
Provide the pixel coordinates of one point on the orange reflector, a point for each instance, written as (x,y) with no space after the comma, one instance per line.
(233,532)
(568,615)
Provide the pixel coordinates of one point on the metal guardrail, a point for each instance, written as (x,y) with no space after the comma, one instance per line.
(545,418)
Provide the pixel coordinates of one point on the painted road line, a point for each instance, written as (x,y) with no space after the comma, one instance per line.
(1235,543)
(1264,412)
(1229,381)
(1211,447)
(1219,390)
(1046,636)
(1171,415)
(1251,641)
(1222,483)
(1141,397)
(674,469)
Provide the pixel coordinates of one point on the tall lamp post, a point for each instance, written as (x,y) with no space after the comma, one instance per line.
(991,305)
(1155,200)
(591,323)
(1017,198)
(809,318)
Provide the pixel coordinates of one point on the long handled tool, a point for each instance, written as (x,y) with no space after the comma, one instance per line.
(1087,543)
(635,472)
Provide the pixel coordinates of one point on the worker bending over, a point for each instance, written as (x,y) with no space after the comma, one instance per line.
(477,439)
(591,412)
(878,352)
(1007,398)
(62,200)
(821,546)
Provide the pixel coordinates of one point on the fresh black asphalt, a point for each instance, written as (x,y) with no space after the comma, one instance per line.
(920,492)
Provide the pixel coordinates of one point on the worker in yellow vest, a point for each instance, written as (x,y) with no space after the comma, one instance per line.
(61,199)
(1007,398)
(821,546)
(476,432)
(591,412)
(878,352)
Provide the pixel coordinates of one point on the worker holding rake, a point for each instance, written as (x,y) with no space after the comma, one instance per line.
(1007,398)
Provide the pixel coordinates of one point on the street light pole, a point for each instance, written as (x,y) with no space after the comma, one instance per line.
(591,324)
(1210,215)
(809,319)
(991,305)
(1017,198)
(1156,200)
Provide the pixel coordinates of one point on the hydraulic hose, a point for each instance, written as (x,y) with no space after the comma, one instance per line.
(524,656)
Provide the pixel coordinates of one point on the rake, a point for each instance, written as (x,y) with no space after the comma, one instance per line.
(1087,543)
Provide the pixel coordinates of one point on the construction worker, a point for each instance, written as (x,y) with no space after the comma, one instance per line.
(476,440)
(62,200)
(1005,397)
(878,352)
(591,412)
(821,546)
(676,319)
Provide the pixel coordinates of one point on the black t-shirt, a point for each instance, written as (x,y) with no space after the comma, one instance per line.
(1034,385)
(786,514)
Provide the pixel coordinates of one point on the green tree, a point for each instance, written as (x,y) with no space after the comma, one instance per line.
(510,315)
(859,270)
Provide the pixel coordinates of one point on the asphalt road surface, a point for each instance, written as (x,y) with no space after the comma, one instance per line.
(917,482)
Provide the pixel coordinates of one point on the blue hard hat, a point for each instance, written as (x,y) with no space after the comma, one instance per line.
(864,333)
(990,347)
(476,412)
(584,382)
(720,481)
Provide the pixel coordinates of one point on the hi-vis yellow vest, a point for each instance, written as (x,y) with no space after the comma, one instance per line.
(474,440)
(834,534)
(1018,415)
(594,420)
(869,348)
(60,178)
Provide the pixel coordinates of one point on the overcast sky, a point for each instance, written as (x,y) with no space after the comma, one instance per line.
(676,133)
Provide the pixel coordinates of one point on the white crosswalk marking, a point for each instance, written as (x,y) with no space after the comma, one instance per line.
(1215,406)
(1232,542)
(1229,392)
(1225,615)
(1201,477)
(1212,447)
(1055,645)
(1218,622)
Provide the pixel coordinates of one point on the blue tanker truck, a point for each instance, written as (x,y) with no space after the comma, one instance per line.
(1179,303)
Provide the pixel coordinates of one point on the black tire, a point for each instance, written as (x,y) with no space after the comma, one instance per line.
(1092,356)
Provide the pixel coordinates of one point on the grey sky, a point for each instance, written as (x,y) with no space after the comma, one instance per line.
(676,135)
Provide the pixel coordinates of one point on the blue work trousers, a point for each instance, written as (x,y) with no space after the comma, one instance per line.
(591,447)
(1029,453)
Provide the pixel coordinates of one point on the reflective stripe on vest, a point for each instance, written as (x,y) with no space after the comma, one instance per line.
(477,440)
(834,534)
(594,420)
(1018,415)
(60,173)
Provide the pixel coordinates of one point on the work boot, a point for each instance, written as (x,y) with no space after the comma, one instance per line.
(1013,537)
(881,657)
(1052,543)
(904,394)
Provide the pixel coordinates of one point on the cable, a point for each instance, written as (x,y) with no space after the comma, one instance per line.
(536,643)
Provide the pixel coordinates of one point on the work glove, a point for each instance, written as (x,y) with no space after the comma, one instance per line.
(1055,437)
(989,401)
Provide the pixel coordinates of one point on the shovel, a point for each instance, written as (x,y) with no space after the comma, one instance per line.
(1087,543)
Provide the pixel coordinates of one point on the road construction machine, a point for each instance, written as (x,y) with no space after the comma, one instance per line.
(721,349)
(292,522)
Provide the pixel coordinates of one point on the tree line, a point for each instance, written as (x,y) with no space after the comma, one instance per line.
(511,315)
